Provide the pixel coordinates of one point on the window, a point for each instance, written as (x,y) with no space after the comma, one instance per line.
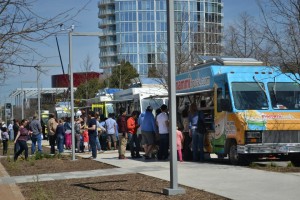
(249,96)
(284,96)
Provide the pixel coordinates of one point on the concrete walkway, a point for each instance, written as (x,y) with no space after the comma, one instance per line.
(229,181)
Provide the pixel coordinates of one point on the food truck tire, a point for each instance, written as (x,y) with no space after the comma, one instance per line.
(237,159)
(295,159)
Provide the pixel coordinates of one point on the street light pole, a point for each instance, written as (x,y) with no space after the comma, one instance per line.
(38,68)
(72,93)
(174,189)
(71,33)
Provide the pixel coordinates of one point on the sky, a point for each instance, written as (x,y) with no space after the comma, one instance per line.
(86,21)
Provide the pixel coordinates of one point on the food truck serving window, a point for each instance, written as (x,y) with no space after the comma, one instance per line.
(249,96)
(285,96)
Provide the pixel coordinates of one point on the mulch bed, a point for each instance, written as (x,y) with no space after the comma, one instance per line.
(125,187)
(50,165)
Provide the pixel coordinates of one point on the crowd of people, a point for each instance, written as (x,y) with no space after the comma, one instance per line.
(140,131)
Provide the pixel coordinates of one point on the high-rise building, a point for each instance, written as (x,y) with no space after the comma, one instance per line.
(136,31)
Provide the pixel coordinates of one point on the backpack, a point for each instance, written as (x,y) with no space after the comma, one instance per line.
(200,123)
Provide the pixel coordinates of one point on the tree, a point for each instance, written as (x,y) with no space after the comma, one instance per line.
(243,38)
(121,75)
(20,28)
(281,24)
(87,64)
(91,86)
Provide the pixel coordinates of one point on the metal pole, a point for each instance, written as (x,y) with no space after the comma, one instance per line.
(22,100)
(72,94)
(173,190)
(39,92)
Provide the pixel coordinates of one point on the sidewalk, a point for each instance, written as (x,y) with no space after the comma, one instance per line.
(229,181)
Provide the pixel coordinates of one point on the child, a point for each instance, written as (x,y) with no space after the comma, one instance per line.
(4,139)
(86,140)
(179,137)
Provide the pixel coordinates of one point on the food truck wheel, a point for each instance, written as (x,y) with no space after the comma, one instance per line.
(295,159)
(233,155)
(237,159)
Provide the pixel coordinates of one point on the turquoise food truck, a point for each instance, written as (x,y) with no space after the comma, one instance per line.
(251,110)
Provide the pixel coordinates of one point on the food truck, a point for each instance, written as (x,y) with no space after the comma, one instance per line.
(251,110)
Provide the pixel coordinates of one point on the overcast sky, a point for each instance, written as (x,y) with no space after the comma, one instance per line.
(86,21)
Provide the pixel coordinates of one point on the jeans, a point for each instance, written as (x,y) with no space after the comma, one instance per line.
(52,139)
(11,135)
(163,152)
(16,148)
(23,146)
(92,139)
(98,145)
(36,139)
(60,143)
(134,144)
(197,144)
(77,140)
(5,146)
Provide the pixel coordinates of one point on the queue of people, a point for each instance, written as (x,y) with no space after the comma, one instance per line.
(139,131)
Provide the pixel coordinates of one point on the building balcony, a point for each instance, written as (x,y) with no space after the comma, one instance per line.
(105,2)
(107,54)
(106,22)
(107,43)
(106,65)
(105,12)
(107,32)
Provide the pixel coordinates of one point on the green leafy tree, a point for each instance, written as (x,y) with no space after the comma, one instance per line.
(89,89)
(121,75)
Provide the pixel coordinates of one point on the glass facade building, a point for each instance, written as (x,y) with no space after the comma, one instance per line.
(136,31)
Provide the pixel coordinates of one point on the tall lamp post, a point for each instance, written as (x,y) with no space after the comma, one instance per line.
(174,189)
(71,33)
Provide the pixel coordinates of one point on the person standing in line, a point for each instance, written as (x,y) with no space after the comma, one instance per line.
(11,131)
(22,138)
(5,137)
(123,135)
(77,129)
(100,129)
(92,131)
(111,129)
(51,127)
(187,153)
(60,135)
(134,142)
(103,136)
(148,129)
(16,130)
(68,133)
(36,137)
(197,138)
(162,121)
(179,141)
(85,136)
